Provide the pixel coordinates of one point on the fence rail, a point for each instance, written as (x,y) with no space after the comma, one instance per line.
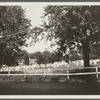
(43,72)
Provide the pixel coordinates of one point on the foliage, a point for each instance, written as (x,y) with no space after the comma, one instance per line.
(24,57)
(74,57)
(74,27)
(14,29)
(45,57)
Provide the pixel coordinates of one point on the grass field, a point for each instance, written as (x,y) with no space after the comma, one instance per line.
(24,88)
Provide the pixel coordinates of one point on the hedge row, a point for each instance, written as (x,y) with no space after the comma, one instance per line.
(49,78)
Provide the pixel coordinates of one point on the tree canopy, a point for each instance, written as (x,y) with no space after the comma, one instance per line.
(14,29)
(74,27)
(43,57)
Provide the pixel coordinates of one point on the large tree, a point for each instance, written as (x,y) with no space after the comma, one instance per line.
(74,27)
(14,29)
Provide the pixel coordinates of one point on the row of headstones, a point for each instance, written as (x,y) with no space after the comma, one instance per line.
(18,68)
(81,62)
(94,61)
(54,65)
(10,68)
(78,62)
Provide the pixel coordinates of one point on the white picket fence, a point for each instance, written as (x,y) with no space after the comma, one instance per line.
(44,72)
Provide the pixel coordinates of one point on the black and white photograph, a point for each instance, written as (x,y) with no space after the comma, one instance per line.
(49,49)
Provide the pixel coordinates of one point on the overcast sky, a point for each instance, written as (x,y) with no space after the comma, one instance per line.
(34,13)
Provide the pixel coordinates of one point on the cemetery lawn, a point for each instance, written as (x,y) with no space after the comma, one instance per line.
(24,88)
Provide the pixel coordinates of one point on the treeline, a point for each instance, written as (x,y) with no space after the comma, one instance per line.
(51,57)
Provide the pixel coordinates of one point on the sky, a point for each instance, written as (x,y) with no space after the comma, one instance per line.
(34,13)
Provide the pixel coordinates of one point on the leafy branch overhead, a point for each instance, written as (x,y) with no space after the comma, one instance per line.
(73,22)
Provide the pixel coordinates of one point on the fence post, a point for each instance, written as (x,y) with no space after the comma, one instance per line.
(67,74)
(44,73)
(8,71)
(97,72)
(24,73)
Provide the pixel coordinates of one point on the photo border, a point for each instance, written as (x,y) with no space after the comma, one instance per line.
(69,97)
(49,0)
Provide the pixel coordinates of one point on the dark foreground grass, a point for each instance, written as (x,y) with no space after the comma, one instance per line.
(24,88)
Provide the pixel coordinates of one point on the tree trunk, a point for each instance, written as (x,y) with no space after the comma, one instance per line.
(86,52)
